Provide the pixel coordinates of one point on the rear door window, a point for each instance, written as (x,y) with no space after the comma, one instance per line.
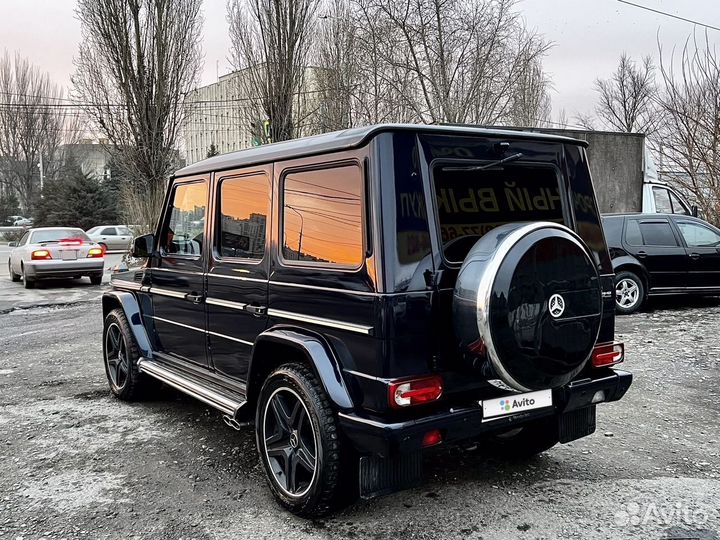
(244,206)
(108,231)
(650,233)
(472,201)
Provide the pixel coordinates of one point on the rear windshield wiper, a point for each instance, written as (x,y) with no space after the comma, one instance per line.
(508,159)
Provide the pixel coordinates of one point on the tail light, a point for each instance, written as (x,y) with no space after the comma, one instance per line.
(608,354)
(40,255)
(415,391)
(96,252)
(71,242)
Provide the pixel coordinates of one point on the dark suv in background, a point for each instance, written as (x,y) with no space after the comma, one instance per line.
(367,294)
(661,254)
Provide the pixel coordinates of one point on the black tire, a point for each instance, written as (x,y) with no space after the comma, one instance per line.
(13,276)
(523,442)
(125,380)
(629,292)
(289,397)
(27,282)
(96,279)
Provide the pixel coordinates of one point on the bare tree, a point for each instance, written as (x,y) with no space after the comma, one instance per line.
(627,97)
(137,62)
(690,130)
(337,67)
(531,106)
(465,58)
(271,42)
(33,123)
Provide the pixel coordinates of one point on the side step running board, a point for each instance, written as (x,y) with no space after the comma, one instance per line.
(224,402)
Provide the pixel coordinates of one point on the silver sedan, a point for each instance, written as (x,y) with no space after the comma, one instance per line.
(54,252)
(111,237)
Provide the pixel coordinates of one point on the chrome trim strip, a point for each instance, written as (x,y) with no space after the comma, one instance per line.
(177,271)
(706,287)
(127,285)
(177,323)
(366,376)
(331,323)
(239,278)
(224,303)
(250,343)
(318,287)
(167,292)
(206,395)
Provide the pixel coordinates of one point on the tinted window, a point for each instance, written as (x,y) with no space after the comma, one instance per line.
(472,202)
(108,231)
(697,235)
(322,216)
(613,230)
(56,235)
(244,206)
(183,232)
(657,233)
(632,233)
(662,201)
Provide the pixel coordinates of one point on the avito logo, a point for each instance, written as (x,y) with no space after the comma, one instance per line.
(510,404)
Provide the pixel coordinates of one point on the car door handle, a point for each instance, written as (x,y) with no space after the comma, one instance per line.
(694,256)
(194,298)
(255,310)
(641,254)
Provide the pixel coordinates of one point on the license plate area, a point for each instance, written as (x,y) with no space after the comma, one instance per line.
(515,403)
(68,255)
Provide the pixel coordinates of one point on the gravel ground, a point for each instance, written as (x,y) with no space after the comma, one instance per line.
(77,463)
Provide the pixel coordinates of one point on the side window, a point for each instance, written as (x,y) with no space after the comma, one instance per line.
(124,231)
(24,239)
(677,205)
(632,233)
(108,231)
(183,231)
(696,235)
(662,201)
(657,233)
(243,210)
(322,216)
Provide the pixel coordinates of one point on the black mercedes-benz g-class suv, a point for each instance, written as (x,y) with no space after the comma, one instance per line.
(366,294)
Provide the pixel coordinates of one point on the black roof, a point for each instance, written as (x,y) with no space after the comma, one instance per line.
(344,140)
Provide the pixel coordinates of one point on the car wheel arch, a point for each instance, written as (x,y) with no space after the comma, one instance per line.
(636,268)
(283,345)
(129,304)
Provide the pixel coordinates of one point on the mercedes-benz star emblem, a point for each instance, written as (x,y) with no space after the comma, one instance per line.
(556,305)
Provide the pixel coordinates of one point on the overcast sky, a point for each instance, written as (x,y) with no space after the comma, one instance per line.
(588,37)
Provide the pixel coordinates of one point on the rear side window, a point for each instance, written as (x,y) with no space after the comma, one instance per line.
(322,216)
(649,233)
(471,202)
(244,204)
(184,229)
(108,231)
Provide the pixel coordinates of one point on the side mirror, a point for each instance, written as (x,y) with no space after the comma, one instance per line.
(143,246)
(694,210)
(12,244)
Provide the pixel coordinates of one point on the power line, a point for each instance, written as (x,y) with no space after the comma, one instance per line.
(669,15)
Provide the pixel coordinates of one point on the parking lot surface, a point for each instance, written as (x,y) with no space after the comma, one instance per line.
(78,463)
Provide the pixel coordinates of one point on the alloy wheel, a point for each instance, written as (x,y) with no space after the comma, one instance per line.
(290,442)
(116,356)
(627,293)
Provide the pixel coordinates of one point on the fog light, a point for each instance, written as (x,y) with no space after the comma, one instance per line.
(431,438)
(599,397)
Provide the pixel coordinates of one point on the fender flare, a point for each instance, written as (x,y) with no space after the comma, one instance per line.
(129,304)
(319,355)
(629,260)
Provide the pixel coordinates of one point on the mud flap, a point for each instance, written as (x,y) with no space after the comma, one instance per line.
(380,476)
(576,424)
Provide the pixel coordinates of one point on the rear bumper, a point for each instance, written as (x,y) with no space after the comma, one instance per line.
(458,424)
(52,268)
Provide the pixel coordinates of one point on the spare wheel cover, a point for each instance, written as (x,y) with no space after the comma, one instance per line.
(530,293)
